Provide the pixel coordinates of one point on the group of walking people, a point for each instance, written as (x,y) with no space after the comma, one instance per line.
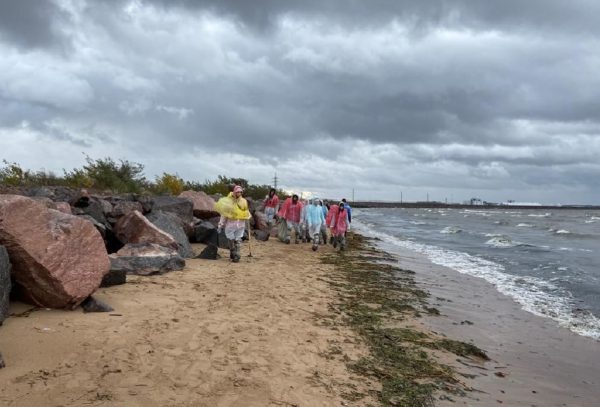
(313,220)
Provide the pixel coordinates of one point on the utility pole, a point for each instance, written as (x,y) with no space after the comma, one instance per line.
(400,197)
(352,196)
(427,196)
(275,179)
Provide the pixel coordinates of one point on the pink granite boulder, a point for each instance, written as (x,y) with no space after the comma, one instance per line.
(204,205)
(63,207)
(135,228)
(58,259)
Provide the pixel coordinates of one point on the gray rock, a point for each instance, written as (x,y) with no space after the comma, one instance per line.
(205,232)
(114,277)
(210,252)
(261,235)
(91,304)
(181,207)
(222,241)
(5,284)
(146,259)
(170,223)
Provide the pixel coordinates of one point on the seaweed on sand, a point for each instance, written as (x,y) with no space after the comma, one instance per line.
(376,299)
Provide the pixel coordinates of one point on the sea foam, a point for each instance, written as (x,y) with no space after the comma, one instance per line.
(535,295)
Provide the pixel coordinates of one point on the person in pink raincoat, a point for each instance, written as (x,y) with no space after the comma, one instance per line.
(291,212)
(338,225)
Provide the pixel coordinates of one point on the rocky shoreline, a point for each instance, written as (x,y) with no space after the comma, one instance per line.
(328,328)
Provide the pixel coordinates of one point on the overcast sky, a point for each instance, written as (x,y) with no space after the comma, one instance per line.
(452,99)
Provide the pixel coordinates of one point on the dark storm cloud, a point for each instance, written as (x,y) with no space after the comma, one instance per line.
(470,93)
(32,23)
(574,16)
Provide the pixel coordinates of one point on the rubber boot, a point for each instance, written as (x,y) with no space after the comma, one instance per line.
(236,252)
(315,245)
(231,249)
(342,243)
(335,241)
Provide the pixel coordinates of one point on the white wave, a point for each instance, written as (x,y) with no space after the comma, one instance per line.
(493,235)
(595,217)
(501,241)
(476,212)
(536,296)
(562,232)
(416,222)
(540,215)
(451,230)
(524,225)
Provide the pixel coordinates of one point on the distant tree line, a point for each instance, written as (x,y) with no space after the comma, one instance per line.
(122,176)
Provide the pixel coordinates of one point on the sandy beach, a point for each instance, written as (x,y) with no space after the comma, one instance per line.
(260,333)
(215,334)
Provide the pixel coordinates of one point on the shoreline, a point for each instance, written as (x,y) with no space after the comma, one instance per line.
(535,362)
(443,205)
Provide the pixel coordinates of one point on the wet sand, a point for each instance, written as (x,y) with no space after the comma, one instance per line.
(215,334)
(534,362)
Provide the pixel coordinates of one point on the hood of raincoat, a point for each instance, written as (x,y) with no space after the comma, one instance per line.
(314,215)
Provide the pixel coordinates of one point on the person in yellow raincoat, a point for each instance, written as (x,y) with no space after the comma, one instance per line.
(234,213)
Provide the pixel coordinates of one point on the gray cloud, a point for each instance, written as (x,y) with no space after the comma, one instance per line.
(32,23)
(463,95)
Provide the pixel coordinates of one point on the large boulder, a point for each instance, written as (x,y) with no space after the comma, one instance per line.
(205,232)
(91,206)
(114,277)
(57,194)
(5,284)
(107,207)
(146,259)
(251,204)
(122,208)
(203,205)
(58,260)
(146,202)
(260,221)
(210,252)
(170,223)
(181,207)
(64,207)
(135,228)
(102,229)
(261,235)
(222,241)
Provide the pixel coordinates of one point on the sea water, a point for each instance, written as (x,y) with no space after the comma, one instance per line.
(546,260)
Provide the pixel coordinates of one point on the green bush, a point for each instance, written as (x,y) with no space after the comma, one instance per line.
(12,175)
(122,177)
(168,184)
(107,174)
